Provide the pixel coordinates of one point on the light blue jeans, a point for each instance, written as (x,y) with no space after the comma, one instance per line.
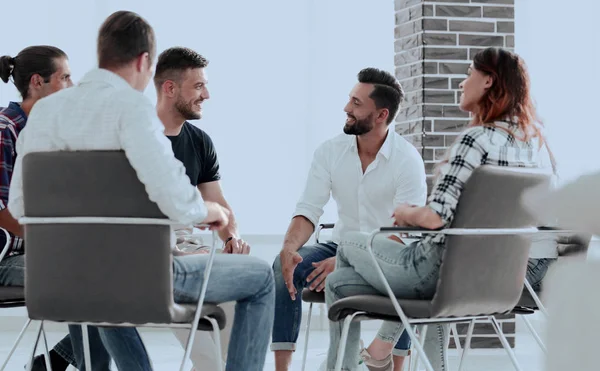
(412,272)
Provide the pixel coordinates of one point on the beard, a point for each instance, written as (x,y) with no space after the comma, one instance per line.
(186,110)
(359,126)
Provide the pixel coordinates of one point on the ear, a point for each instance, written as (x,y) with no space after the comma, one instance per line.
(383,115)
(489,81)
(142,63)
(169,88)
(36,81)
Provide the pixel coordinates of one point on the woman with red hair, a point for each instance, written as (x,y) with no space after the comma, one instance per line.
(504,131)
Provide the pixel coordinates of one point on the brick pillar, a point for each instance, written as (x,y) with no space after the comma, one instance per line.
(435,42)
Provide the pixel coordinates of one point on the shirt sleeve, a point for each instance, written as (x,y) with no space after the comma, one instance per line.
(464,156)
(317,189)
(40,142)
(150,153)
(210,162)
(7,159)
(411,184)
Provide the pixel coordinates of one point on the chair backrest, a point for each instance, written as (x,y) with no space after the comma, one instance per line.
(93,272)
(485,274)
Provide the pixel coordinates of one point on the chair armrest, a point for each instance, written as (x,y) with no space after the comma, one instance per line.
(460,231)
(320,227)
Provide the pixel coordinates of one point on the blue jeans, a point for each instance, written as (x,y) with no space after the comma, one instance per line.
(241,278)
(412,272)
(124,345)
(244,279)
(288,312)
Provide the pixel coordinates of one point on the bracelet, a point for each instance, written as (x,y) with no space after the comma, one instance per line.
(227,240)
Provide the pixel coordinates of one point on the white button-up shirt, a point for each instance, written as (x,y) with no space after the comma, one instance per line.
(103,112)
(365,201)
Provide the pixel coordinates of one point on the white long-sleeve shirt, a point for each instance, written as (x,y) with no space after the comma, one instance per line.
(103,112)
(364,201)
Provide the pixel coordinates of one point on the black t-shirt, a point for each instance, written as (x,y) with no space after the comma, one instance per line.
(196,150)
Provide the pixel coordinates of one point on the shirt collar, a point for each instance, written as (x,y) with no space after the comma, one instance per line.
(386,147)
(106,76)
(17,108)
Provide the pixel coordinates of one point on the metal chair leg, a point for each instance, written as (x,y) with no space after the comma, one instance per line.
(463,356)
(46,353)
(306,337)
(86,348)
(422,335)
(505,343)
(454,331)
(14,347)
(536,336)
(35,344)
(342,347)
(217,339)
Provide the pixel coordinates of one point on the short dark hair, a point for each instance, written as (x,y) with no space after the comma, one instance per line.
(122,38)
(39,59)
(173,61)
(387,92)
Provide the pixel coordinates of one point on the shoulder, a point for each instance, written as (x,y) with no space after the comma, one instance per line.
(128,98)
(335,145)
(475,136)
(195,131)
(198,135)
(404,148)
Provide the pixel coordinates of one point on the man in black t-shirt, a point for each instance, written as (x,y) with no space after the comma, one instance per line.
(180,82)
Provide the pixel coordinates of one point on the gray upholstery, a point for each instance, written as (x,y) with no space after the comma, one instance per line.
(485,274)
(310,296)
(480,275)
(96,272)
(12,296)
(378,307)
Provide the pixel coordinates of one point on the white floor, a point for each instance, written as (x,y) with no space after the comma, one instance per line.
(166,352)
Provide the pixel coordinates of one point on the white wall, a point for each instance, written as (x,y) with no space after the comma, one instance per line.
(559,44)
(279,74)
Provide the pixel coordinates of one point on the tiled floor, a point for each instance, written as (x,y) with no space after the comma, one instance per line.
(166,352)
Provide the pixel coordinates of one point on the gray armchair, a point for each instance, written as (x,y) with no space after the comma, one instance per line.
(484,263)
(99,251)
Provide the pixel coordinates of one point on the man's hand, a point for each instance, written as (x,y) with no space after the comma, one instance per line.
(322,270)
(289,261)
(217,216)
(237,246)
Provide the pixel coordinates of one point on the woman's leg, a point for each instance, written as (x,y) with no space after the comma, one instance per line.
(411,272)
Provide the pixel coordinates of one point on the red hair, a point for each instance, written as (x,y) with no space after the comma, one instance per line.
(509,96)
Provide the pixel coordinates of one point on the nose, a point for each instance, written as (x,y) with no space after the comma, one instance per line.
(347,108)
(206,94)
(462,84)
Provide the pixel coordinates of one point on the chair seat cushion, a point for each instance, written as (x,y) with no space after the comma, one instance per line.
(310,296)
(378,307)
(12,296)
(184,313)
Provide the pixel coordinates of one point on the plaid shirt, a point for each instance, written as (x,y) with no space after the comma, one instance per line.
(476,146)
(12,121)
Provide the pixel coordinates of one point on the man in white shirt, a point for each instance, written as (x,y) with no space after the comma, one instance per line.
(107,111)
(368,172)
